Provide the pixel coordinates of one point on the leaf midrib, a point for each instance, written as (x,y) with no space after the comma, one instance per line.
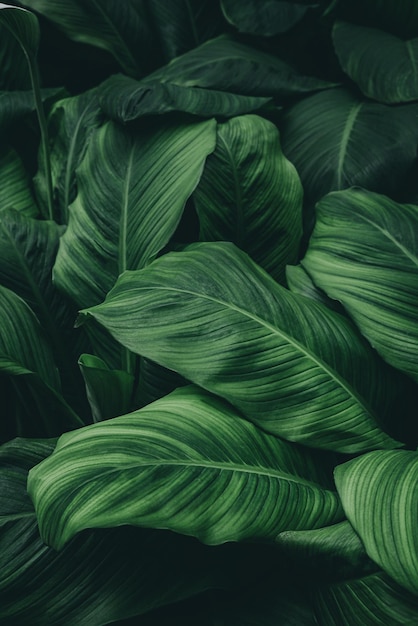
(348,127)
(239,232)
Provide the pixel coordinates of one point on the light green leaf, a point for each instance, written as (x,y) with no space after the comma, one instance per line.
(124,100)
(382,65)
(121,28)
(15,189)
(364,253)
(267,18)
(132,188)
(379,494)
(337,140)
(70,124)
(23,25)
(101,576)
(109,391)
(251,194)
(371,600)
(228,65)
(187,463)
(290,365)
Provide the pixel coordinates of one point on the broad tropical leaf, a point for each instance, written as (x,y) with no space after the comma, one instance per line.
(23,25)
(337,140)
(16,104)
(251,194)
(228,65)
(267,18)
(371,600)
(382,65)
(290,365)
(81,585)
(121,28)
(14,67)
(379,493)
(124,99)
(132,188)
(70,124)
(15,191)
(364,253)
(186,463)
(299,282)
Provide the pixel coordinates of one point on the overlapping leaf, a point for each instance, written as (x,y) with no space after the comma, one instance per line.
(251,195)
(290,365)
(14,67)
(379,494)
(337,140)
(16,104)
(364,253)
(15,188)
(382,65)
(187,463)
(268,17)
(23,25)
(132,188)
(124,99)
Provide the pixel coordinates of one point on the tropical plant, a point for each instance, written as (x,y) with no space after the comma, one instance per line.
(209,313)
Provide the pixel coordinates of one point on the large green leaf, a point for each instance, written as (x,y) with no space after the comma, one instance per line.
(101,576)
(371,600)
(382,65)
(132,188)
(265,17)
(228,65)
(364,253)
(251,195)
(121,28)
(187,463)
(23,25)
(16,104)
(337,140)
(124,99)
(70,125)
(290,365)
(15,188)
(379,494)
(14,68)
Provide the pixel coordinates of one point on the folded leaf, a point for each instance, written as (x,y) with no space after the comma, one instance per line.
(132,188)
(124,99)
(337,140)
(187,463)
(290,365)
(15,189)
(379,494)
(382,65)
(263,18)
(251,194)
(364,253)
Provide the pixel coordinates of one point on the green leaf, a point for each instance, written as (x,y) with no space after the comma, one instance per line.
(124,100)
(70,124)
(299,282)
(121,28)
(370,600)
(290,365)
(378,491)
(23,25)
(267,18)
(398,18)
(363,252)
(109,391)
(16,104)
(14,68)
(228,65)
(132,188)
(337,140)
(15,189)
(251,194)
(382,65)
(187,463)
(155,382)
(101,576)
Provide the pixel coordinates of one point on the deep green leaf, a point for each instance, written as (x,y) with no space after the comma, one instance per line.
(23,25)
(364,253)
(101,576)
(251,195)
(15,188)
(382,65)
(337,140)
(290,365)
(397,17)
(70,125)
(155,382)
(16,104)
(379,494)
(124,99)
(265,17)
(228,65)
(187,463)
(14,67)
(121,28)
(132,188)
(299,282)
